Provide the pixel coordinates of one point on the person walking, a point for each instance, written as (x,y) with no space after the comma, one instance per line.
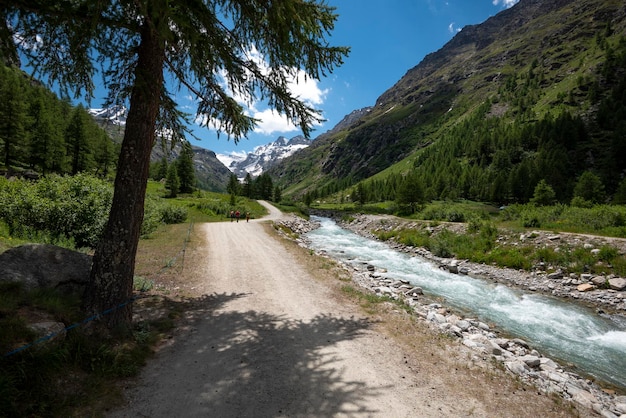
(247,216)
(237,215)
(232,215)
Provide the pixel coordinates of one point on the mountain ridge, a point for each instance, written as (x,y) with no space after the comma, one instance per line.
(264,156)
(532,60)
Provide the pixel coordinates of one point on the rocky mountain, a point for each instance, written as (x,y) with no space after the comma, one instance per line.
(526,67)
(264,156)
(211,174)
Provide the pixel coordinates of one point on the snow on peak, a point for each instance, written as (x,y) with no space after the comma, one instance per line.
(114,114)
(263,156)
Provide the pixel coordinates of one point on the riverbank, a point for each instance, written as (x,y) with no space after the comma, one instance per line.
(517,356)
(590,290)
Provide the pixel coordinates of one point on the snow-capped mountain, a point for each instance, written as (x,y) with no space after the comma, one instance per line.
(114,114)
(263,156)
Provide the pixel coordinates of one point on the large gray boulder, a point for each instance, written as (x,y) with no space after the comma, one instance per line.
(45,266)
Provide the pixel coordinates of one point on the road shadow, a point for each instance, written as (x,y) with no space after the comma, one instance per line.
(253,364)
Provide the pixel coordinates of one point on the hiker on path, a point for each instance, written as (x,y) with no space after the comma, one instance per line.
(237,214)
(232,215)
(247,216)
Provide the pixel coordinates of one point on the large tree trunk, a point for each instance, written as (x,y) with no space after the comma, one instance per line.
(110,285)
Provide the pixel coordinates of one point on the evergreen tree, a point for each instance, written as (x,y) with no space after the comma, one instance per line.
(544,194)
(233,187)
(13,121)
(47,146)
(410,193)
(103,153)
(161,169)
(589,187)
(77,140)
(619,197)
(172,181)
(186,170)
(246,189)
(263,187)
(277,194)
(143,44)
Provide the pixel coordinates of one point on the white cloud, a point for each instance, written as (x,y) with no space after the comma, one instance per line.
(452,29)
(505,3)
(307,89)
(270,122)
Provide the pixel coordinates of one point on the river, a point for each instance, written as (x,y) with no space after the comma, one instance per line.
(566,332)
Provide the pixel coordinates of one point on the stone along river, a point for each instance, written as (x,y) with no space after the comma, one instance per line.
(595,344)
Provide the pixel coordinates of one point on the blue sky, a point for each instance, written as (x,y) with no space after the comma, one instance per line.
(387,38)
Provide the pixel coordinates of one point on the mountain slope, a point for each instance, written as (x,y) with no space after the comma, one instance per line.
(211,174)
(532,62)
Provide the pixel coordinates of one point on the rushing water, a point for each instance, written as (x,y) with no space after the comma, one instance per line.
(596,345)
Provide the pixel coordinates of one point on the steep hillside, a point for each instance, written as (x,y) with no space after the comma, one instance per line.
(211,174)
(537,68)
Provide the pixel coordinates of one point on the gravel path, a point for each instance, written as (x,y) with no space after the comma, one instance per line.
(267,339)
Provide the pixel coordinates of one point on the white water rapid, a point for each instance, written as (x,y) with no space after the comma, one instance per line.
(594,344)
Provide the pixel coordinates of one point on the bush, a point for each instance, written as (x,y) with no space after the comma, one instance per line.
(607,253)
(171,214)
(58,207)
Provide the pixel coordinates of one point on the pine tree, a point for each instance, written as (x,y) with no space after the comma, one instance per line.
(77,140)
(246,189)
(172,181)
(47,145)
(589,187)
(544,194)
(13,121)
(144,43)
(410,193)
(233,186)
(186,170)
(277,194)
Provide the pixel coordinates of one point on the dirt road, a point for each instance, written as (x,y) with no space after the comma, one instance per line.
(268,339)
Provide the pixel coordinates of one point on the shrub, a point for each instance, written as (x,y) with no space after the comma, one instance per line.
(607,253)
(171,214)
(57,206)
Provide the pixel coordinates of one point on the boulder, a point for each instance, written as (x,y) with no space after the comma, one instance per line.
(38,266)
(585,287)
(599,280)
(453,267)
(617,283)
(52,331)
(531,361)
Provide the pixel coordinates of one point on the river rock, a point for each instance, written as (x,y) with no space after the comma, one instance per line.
(464,325)
(384,290)
(531,361)
(621,408)
(617,283)
(585,287)
(415,291)
(453,267)
(436,317)
(599,280)
(585,399)
(516,366)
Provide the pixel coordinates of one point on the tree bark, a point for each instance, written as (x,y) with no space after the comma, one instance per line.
(110,287)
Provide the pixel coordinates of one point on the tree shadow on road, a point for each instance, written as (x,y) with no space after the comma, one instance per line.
(253,364)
